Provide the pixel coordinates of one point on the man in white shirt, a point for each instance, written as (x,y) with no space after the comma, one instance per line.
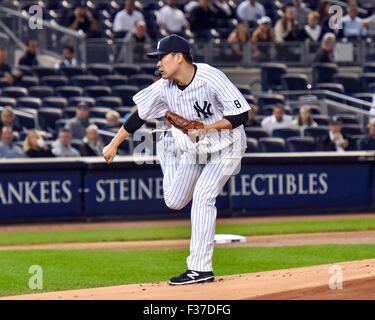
(353,25)
(62,147)
(126,19)
(250,10)
(171,19)
(278,120)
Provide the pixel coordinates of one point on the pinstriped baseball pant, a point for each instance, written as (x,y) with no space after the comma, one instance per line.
(185,180)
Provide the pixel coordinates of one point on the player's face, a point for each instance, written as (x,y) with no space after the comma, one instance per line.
(168,65)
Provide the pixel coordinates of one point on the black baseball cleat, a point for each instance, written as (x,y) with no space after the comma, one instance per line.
(190,276)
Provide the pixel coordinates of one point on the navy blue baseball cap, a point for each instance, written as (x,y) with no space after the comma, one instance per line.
(172,43)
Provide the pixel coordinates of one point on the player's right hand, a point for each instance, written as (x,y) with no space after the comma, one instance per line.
(109,153)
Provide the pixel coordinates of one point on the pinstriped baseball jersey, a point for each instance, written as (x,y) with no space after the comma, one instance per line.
(208,98)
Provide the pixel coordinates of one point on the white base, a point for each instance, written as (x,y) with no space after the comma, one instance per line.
(228,238)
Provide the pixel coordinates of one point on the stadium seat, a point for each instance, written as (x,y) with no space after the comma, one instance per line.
(285,133)
(252,145)
(99,112)
(29,102)
(256,132)
(123,110)
(69,91)
(301,144)
(316,132)
(41,91)
(249,98)
(74,101)
(347,119)
(55,102)
(76,144)
(114,80)
(60,123)
(4,83)
(126,69)
(71,71)
(100,122)
(336,87)
(26,70)
(40,71)
(270,144)
(47,118)
(6,101)
(294,81)
(148,69)
(69,112)
(54,81)
(321,120)
(365,79)
(98,69)
(323,72)
(14,92)
(350,81)
(98,91)
(369,67)
(85,80)
(266,110)
(245,90)
(271,75)
(27,121)
(351,129)
(111,102)
(29,81)
(126,93)
(141,80)
(364,96)
(270,98)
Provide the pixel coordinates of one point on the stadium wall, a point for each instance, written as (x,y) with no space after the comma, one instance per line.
(88,188)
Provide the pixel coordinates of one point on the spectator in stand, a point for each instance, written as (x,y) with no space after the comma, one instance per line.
(352,24)
(335,140)
(278,119)
(264,33)
(286,28)
(370,23)
(171,19)
(325,18)
(126,19)
(29,58)
(239,36)
(113,120)
(304,120)
(301,13)
(92,143)
(202,19)
(140,40)
(5,69)
(8,119)
(325,53)
(34,146)
(253,122)
(368,142)
(189,6)
(61,147)
(69,59)
(77,125)
(83,19)
(312,31)
(251,11)
(222,10)
(7,148)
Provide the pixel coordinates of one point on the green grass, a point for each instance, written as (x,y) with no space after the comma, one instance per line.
(63,270)
(182,232)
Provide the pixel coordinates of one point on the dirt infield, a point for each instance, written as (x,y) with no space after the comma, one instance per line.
(301,283)
(351,237)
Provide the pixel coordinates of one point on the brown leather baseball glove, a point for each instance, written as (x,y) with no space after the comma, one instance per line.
(185,125)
